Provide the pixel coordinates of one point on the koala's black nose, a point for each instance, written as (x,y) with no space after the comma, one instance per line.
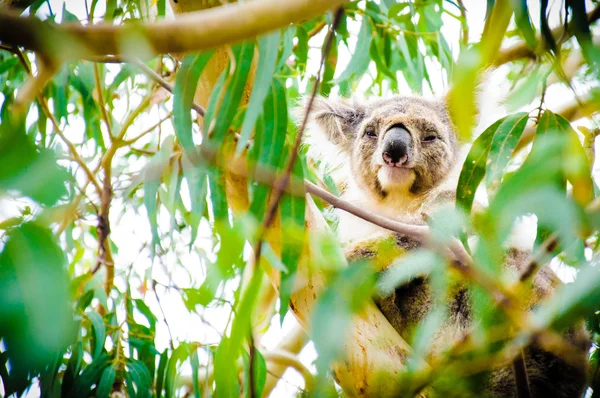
(396,144)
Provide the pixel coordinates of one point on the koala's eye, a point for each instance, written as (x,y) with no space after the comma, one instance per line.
(370,132)
(430,138)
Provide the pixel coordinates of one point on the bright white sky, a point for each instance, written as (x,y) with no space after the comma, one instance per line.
(130,229)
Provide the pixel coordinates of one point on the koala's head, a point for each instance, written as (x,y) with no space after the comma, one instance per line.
(397,145)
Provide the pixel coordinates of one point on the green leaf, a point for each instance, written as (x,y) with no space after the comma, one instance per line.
(288,45)
(331,322)
(183,96)
(474,167)
(161,6)
(504,142)
(523,22)
(141,378)
(269,142)
(268,47)
(90,376)
(36,317)
(231,94)
(226,373)
(292,212)
(226,359)
(180,354)
(571,301)
(160,374)
(107,380)
(152,180)
(359,63)
(8,64)
(269,255)
(259,374)
(147,312)
(195,369)
(73,368)
(23,167)
(111,6)
(99,332)
(197,187)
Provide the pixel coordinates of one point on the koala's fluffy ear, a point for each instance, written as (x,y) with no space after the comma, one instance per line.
(339,119)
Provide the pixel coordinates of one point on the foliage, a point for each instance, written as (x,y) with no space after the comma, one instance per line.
(112,220)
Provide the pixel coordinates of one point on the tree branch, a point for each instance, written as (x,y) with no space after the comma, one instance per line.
(193,31)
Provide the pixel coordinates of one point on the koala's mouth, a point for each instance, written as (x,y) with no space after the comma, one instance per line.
(395,177)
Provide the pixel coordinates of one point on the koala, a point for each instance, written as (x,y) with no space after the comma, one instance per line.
(401,155)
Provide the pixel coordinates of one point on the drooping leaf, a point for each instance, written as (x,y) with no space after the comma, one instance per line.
(292,212)
(180,354)
(183,96)
(91,375)
(107,380)
(99,332)
(523,21)
(268,47)
(160,374)
(231,94)
(152,180)
(141,377)
(359,63)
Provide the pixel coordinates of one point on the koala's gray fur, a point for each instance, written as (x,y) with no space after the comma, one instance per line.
(410,194)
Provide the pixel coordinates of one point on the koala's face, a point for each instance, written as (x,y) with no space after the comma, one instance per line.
(396,145)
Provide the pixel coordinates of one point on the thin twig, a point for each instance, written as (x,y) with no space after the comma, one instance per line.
(101,103)
(148,130)
(56,126)
(463,22)
(162,82)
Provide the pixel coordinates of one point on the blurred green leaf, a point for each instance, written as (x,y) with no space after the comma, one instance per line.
(572,301)
(32,172)
(331,319)
(36,320)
